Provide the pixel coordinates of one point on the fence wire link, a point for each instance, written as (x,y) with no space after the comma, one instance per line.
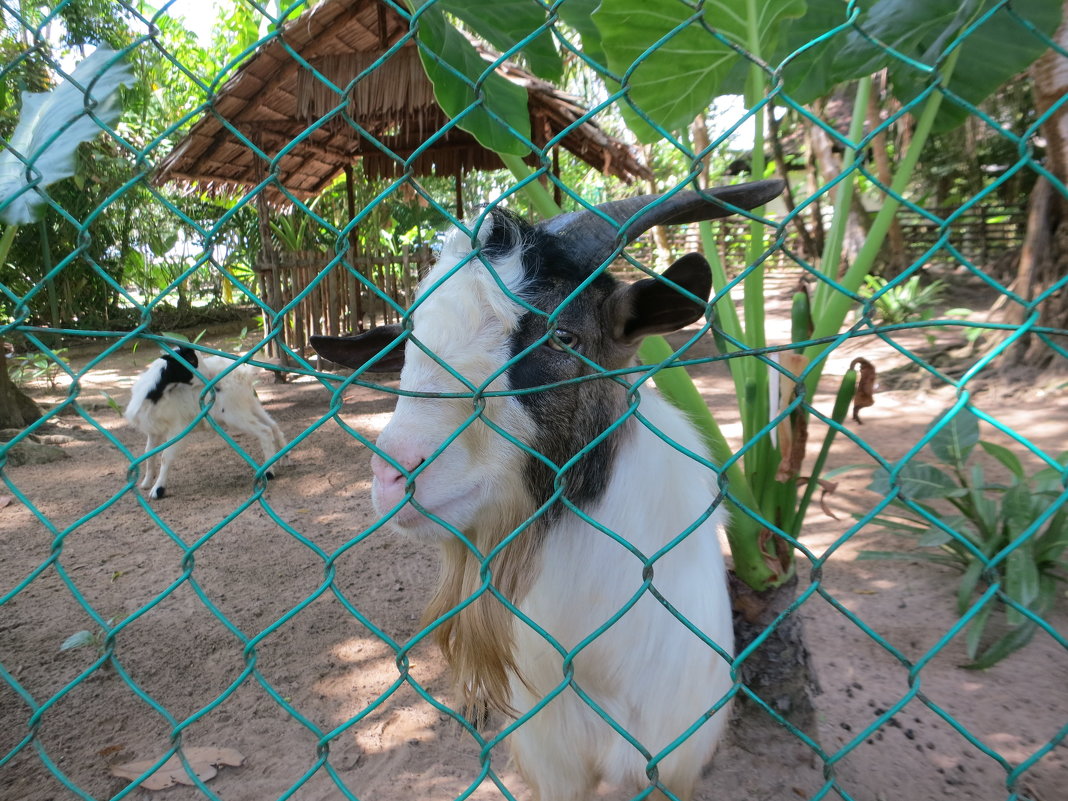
(34,33)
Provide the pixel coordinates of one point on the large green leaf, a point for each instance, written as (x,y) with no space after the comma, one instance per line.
(955,440)
(579,15)
(506,23)
(52,125)
(810,73)
(921,30)
(676,80)
(464,85)
(918,29)
(917,481)
(991,54)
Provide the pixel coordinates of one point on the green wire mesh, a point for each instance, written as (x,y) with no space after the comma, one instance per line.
(30,704)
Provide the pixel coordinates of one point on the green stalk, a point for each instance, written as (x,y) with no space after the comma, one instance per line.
(743,533)
(540,197)
(831,316)
(725,314)
(846,391)
(5,242)
(50,284)
(760,459)
(843,202)
(754,281)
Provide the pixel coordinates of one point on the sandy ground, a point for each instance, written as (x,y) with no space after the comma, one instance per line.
(273,623)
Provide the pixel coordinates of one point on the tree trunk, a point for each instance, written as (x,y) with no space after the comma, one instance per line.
(876,116)
(17,409)
(1044,254)
(779,671)
(808,244)
(830,164)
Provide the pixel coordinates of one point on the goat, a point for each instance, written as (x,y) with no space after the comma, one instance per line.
(521,319)
(165,400)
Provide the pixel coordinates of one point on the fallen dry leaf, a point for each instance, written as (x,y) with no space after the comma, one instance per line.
(827,488)
(204,762)
(6,500)
(865,386)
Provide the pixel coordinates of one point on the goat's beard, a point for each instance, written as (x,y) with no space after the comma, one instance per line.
(478,639)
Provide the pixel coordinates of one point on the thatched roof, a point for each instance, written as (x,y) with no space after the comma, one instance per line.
(274,100)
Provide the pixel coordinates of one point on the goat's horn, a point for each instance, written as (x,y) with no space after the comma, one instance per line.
(591,238)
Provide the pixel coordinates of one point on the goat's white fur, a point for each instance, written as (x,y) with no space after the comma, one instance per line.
(648,672)
(651,674)
(236,407)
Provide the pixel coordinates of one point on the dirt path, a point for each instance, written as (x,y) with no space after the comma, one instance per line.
(282,628)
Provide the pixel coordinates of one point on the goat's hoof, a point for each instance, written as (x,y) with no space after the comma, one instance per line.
(157,493)
(269,475)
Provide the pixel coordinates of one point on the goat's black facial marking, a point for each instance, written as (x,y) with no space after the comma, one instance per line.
(569,417)
(174,372)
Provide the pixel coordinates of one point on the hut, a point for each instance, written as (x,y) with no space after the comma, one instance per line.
(277,120)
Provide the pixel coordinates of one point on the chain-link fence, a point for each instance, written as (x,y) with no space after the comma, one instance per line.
(258,639)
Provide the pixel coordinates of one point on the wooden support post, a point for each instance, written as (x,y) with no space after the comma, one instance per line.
(356,291)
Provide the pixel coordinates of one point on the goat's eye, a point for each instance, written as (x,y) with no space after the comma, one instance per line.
(562,340)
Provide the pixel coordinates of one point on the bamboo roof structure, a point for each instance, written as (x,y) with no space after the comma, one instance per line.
(278,100)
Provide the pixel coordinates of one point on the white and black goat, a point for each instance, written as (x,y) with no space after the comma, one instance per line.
(486,314)
(165,399)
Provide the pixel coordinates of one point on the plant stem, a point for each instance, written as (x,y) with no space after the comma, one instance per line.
(846,391)
(726,316)
(5,242)
(540,197)
(743,532)
(843,202)
(761,460)
(828,321)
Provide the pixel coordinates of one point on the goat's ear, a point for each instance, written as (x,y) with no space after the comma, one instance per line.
(356,351)
(652,306)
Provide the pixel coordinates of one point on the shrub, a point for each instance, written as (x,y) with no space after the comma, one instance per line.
(899,303)
(1012,536)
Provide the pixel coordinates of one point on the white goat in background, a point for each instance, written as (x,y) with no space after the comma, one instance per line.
(165,399)
(646,671)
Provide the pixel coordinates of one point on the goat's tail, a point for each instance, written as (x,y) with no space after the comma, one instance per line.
(145,384)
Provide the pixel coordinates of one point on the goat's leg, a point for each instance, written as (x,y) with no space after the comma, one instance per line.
(275,440)
(148,466)
(261,430)
(166,457)
(278,437)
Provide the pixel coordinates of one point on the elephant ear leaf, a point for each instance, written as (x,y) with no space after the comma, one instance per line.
(507,23)
(909,38)
(695,54)
(1003,45)
(51,125)
(489,107)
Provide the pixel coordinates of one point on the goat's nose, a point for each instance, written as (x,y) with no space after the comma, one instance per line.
(389,476)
